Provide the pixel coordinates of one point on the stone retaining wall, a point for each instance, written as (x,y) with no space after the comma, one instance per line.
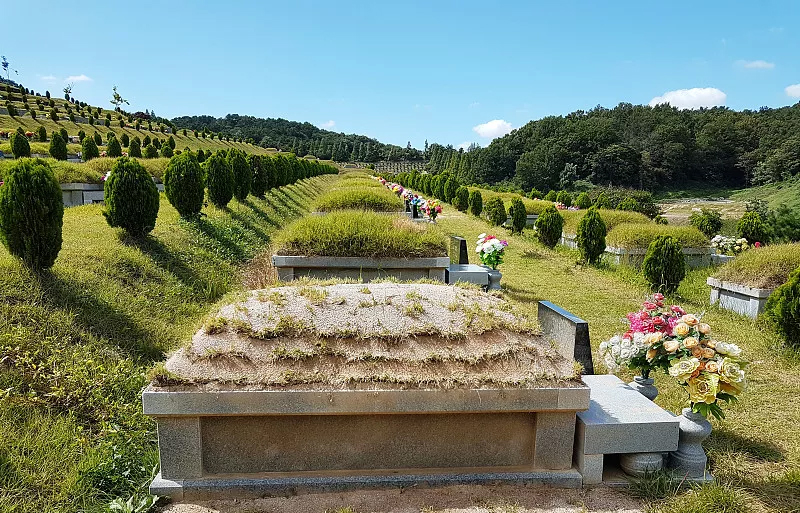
(744,300)
(363,269)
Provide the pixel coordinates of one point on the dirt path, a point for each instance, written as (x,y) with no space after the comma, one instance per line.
(472,499)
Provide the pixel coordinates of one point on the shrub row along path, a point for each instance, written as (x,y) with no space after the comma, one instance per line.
(76,342)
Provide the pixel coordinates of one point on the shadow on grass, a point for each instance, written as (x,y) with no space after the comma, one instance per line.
(519,294)
(248,225)
(99,318)
(762,450)
(204,227)
(202,287)
(261,213)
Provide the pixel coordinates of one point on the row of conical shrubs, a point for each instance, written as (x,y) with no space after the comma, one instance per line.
(32,209)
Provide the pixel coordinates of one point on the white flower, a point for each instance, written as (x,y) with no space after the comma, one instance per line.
(481,236)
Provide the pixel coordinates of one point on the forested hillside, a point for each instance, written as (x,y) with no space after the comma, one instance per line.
(636,146)
(300,138)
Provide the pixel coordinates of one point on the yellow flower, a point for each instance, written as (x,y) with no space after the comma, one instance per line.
(690,342)
(710,343)
(704,328)
(730,371)
(697,352)
(682,329)
(651,353)
(653,338)
(708,353)
(690,319)
(682,369)
(671,345)
(704,388)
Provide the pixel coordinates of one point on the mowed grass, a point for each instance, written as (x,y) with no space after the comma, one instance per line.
(9,124)
(765,267)
(632,235)
(375,199)
(612,218)
(356,233)
(755,452)
(92,171)
(77,341)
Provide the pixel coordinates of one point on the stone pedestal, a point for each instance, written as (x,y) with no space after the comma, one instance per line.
(690,459)
(639,464)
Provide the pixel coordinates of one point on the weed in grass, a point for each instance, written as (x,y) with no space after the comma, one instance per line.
(414,309)
(413,296)
(314,295)
(365,290)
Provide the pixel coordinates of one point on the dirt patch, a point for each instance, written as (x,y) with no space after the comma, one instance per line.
(472,499)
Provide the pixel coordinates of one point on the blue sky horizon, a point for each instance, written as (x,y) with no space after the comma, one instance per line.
(443,71)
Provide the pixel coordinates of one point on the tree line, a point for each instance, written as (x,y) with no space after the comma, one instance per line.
(300,138)
(635,146)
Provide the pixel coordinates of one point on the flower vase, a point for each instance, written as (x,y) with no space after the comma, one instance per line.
(690,459)
(494,278)
(414,211)
(645,387)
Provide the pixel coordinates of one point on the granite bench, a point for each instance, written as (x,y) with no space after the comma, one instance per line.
(620,420)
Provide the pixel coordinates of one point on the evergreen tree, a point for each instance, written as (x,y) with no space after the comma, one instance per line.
(58,147)
(89,149)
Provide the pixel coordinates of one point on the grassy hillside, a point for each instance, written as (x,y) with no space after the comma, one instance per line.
(7,123)
(77,342)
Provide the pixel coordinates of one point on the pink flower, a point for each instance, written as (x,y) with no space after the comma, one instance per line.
(758,244)
(658,296)
(678,310)
(649,306)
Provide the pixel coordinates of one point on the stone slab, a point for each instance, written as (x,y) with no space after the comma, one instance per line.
(361,269)
(289,485)
(744,300)
(296,443)
(458,250)
(569,332)
(467,273)
(166,402)
(621,420)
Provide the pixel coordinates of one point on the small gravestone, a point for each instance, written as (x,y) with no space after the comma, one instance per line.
(458,250)
(569,332)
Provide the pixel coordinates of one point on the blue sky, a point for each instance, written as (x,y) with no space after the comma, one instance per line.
(448,72)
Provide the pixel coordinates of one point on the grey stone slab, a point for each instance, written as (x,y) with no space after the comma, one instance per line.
(166,402)
(295,443)
(569,332)
(357,262)
(468,273)
(555,438)
(590,466)
(621,420)
(744,300)
(458,250)
(180,447)
(573,399)
(238,487)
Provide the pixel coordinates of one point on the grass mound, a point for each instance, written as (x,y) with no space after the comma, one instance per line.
(612,218)
(764,268)
(630,235)
(359,198)
(532,207)
(92,171)
(353,233)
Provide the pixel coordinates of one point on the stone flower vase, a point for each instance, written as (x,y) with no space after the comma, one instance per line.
(644,385)
(494,279)
(690,459)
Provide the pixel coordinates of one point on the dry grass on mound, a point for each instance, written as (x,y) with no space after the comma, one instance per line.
(381,335)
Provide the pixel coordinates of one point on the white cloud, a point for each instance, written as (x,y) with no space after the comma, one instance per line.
(793,91)
(756,64)
(493,128)
(693,98)
(329,124)
(78,78)
(47,78)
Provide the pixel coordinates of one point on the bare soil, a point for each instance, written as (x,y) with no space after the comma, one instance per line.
(472,499)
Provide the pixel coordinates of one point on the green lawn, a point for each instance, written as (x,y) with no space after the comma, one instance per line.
(76,342)
(755,452)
